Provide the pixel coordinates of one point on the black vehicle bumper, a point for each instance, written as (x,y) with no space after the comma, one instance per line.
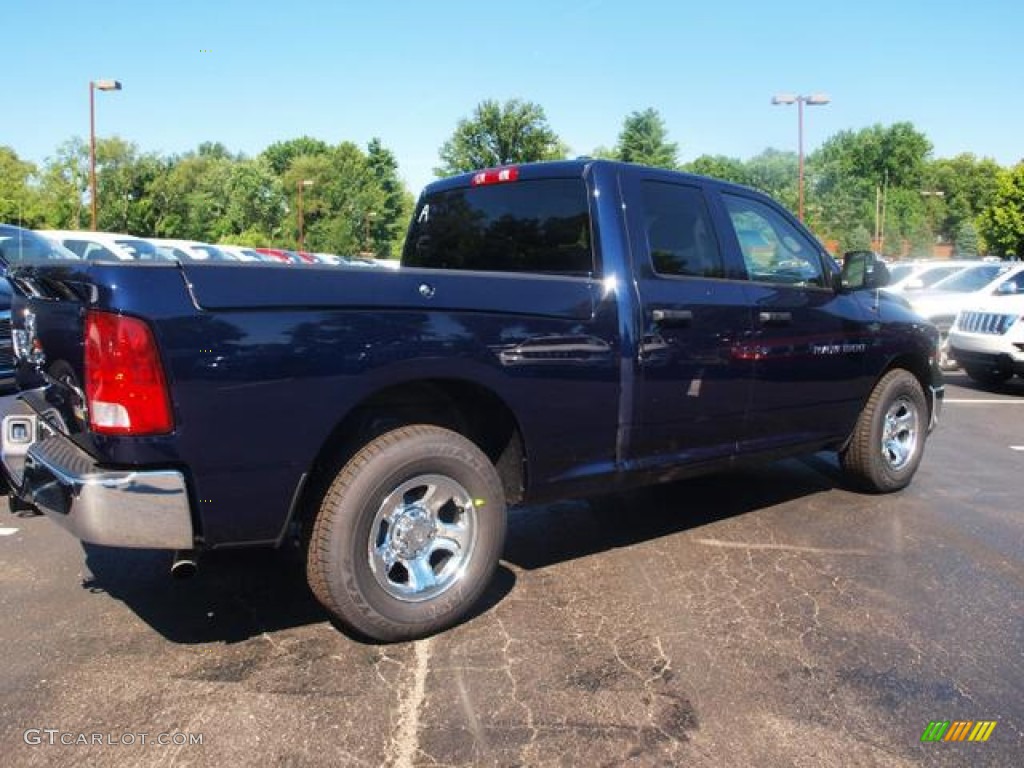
(996,361)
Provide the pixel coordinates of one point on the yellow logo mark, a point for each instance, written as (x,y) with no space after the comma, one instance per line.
(961,730)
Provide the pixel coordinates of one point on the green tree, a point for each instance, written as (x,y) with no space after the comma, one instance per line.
(775,173)
(64,186)
(18,200)
(516,132)
(281,154)
(968,186)
(644,140)
(719,167)
(341,206)
(859,239)
(255,202)
(1001,224)
(849,170)
(897,153)
(603,153)
(124,178)
(190,200)
(967,240)
(388,225)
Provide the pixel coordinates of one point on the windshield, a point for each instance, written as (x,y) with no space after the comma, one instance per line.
(211,252)
(971,279)
(899,272)
(18,245)
(139,249)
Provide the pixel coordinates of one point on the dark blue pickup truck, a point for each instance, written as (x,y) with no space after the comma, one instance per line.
(555,330)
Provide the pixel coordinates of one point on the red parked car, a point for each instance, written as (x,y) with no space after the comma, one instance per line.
(284,257)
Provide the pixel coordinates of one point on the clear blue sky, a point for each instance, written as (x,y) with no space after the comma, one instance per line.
(408,71)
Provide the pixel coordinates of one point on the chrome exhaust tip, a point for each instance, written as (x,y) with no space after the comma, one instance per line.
(185,564)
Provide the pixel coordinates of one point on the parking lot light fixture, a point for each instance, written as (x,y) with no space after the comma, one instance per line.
(96,85)
(814,100)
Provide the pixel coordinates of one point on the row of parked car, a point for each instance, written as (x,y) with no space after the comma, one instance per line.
(107,246)
(18,244)
(940,290)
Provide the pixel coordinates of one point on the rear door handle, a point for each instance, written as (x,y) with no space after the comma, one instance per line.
(775,318)
(672,317)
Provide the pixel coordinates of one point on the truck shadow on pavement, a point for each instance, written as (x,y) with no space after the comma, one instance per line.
(236,595)
(542,536)
(239,594)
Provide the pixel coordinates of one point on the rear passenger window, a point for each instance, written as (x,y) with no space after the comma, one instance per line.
(680,238)
(539,225)
(773,249)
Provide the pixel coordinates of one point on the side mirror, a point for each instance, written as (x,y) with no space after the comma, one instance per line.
(1008,288)
(863,270)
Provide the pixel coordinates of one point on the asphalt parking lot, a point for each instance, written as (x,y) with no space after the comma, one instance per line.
(767,617)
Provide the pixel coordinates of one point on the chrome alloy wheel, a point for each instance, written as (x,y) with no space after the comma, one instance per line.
(900,433)
(422,537)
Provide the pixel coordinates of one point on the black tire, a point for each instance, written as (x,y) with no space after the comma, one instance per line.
(888,440)
(988,376)
(356,580)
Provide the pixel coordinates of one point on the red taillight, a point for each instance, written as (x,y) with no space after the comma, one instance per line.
(495,176)
(124,381)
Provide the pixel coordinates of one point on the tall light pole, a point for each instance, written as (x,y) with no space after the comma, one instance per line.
(814,100)
(302,183)
(96,85)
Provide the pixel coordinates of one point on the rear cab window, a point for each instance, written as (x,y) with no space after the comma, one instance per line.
(540,226)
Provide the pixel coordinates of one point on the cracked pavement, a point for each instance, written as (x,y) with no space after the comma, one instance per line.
(765,617)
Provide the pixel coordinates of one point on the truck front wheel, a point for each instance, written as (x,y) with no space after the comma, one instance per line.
(408,535)
(888,441)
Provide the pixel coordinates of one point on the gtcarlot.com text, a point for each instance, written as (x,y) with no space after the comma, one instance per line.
(55,736)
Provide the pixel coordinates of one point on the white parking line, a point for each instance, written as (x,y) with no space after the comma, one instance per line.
(1017,447)
(8,531)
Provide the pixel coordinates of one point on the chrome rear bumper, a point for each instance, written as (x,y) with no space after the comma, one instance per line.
(115,507)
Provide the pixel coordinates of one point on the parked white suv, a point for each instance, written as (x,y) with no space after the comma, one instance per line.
(987,339)
(921,275)
(189,250)
(940,303)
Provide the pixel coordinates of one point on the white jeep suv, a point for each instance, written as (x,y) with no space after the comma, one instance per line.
(987,338)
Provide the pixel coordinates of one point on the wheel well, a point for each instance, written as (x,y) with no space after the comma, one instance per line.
(920,368)
(461,406)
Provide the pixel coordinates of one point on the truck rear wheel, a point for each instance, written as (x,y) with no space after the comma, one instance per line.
(888,441)
(408,535)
